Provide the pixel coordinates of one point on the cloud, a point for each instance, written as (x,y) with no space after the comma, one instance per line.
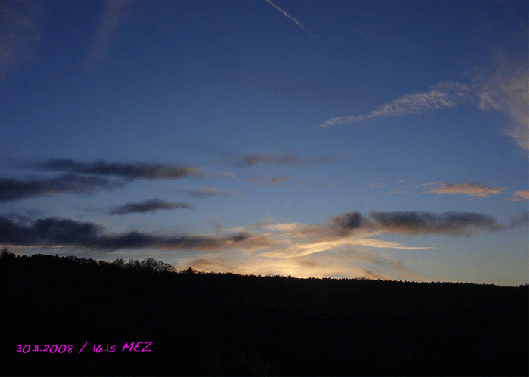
(48,231)
(211,264)
(205,192)
(520,195)
(413,223)
(467,188)
(444,94)
(520,221)
(15,189)
(128,171)
(308,248)
(449,223)
(349,222)
(19,32)
(246,160)
(299,267)
(272,181)
(289,16)
(65,232)
(503,86)
(151,205)
(293,240)
(114,15)
(279,159)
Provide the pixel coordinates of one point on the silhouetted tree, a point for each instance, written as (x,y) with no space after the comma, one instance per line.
(6,254)
(149,264)
(189,271)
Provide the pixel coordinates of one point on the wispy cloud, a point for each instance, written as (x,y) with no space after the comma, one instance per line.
(289,16)
(500,87)
(128,171)
(280,159)
(317,247)
(114,15)
(15,189)
(19,32)
(504,87)
(444,94)
(205,192)
(272,181)
(151,205)
(466,188)
(275,180)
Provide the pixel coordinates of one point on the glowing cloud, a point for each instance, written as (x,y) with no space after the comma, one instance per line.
(467,188)
(317,247)
(520,195)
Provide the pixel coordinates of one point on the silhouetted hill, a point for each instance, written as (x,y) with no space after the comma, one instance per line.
(211,324)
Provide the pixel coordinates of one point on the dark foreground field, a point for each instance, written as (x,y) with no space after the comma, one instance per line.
(224,324)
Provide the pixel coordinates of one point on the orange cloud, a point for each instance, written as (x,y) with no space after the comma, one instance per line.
(467,188)
(520,195)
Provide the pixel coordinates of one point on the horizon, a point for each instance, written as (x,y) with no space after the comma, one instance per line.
(310,139)
(152,265)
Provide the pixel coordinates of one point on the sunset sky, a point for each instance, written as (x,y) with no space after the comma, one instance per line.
(379,139)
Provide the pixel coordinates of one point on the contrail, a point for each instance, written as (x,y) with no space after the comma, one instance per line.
(289,16)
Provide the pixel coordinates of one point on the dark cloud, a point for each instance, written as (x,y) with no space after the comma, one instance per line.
(15,189)
(147,206)
(412,223)
(64,232)
(201,193)
(348,222)
(426,223)
(128,171)
(521,220)
(50,231)
(279,159)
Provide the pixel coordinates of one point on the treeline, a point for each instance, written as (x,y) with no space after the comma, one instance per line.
(152,265)
(206,323)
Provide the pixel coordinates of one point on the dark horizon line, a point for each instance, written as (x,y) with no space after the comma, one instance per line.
(152,265)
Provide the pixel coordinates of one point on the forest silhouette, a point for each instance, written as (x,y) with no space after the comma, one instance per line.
(227,324)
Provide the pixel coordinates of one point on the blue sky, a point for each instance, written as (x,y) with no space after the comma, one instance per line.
(374,139)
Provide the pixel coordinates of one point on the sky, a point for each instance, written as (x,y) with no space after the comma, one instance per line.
(347,139)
